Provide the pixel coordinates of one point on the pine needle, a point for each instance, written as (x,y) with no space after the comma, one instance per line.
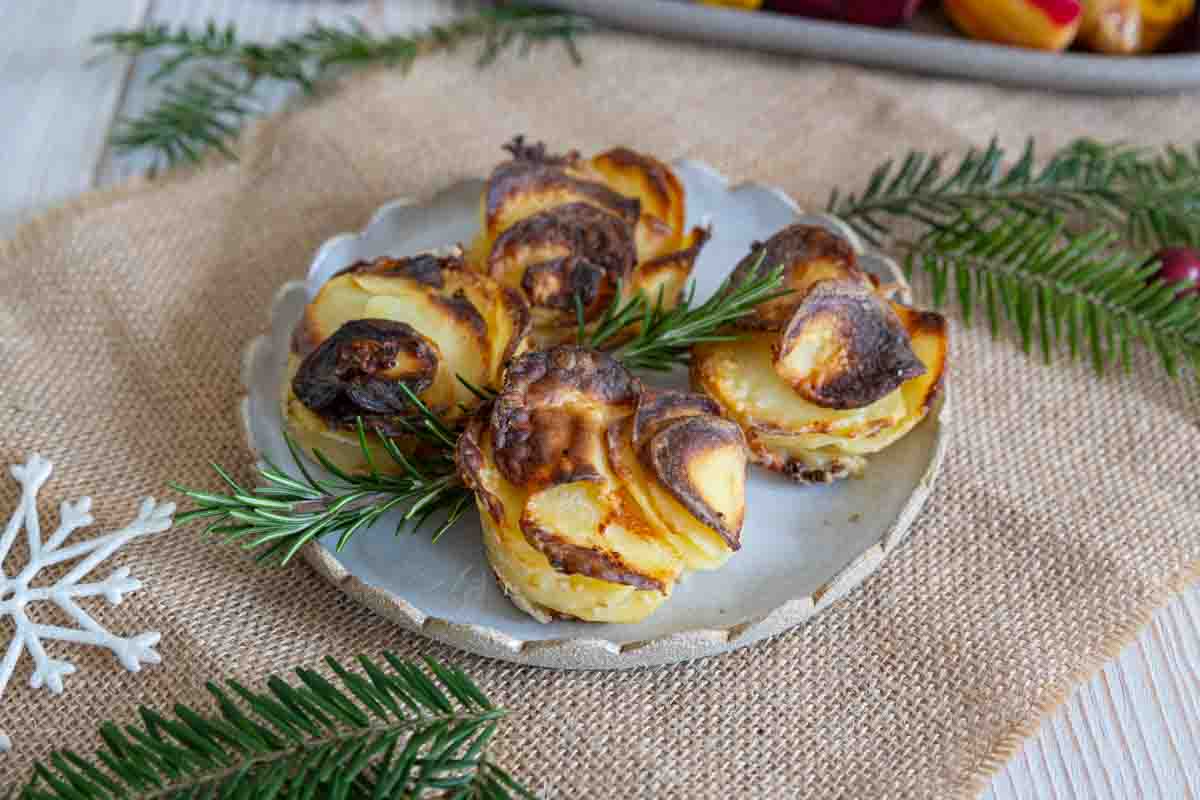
(1060,250)
(394,729)
(1054,286)
(1151,199)
(207,109)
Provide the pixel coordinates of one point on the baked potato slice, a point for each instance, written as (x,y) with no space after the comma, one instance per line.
(525,573)
(584,529)
(666,276)
(811,443)
(461,337)
(804,463)
(698,546)
(696,462)
(596,494)
(337,302)
(467,325)
(741,376)
(532,181)
(659,193)
(828,373)
(566,231)
(930,343)
(336,442)
(570,251)
(845,347)
(808,255)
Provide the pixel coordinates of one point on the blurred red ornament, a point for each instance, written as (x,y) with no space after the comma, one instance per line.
(1178,265)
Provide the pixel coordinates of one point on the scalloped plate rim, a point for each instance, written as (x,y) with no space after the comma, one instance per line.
(597,652)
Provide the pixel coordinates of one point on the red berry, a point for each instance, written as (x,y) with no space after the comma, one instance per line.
(1180,264)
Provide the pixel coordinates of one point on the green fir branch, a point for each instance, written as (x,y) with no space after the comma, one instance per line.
(390,730)
(1151,198)
(664,337)
(212,46)
(1053,248)
(1055,286)
(207,109)
(1163,192)
(283,514)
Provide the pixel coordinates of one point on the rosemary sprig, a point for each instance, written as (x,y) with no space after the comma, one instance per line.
(1151,198)
(664,337)
(1054,285)
(286,512)
(211,105)
(396,730)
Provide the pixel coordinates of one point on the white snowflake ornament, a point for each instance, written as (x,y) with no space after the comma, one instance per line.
(17,593)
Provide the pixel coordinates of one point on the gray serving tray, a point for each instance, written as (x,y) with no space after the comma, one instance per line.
(920,50)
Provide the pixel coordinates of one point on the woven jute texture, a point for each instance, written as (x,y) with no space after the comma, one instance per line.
(1065,514)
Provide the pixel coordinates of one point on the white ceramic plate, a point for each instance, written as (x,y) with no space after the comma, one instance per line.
(803,547)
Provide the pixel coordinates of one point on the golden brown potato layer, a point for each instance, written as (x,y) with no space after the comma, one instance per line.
(568,231)
(844,346)
(828,373)
(581,516)
(424,323)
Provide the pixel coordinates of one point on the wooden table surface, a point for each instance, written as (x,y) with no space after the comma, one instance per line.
(1131,732)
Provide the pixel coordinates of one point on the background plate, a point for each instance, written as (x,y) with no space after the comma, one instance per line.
(803,547)
(924,49)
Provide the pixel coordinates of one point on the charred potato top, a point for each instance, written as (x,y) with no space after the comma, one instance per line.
(580,471)
(845,346)
(419,323)
(839,344)
(829,371)
(569,232)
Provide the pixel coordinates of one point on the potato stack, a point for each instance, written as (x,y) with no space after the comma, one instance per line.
(425,323)
(575,234)
(829,373)
(595,492)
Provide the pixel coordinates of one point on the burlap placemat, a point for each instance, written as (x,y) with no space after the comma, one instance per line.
(1064,516)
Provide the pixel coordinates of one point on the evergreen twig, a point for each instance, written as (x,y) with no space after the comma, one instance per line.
(1151,198)
(1060,250)
(393,730)
(1053,286)
(208,108)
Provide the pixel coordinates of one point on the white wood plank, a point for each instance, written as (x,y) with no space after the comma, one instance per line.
(57,106)
(1024,779)
(1132,731)
(1083,743)
(1146,715)
(1068,769)
(1183,642)
(1172,733)
(1114,746)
